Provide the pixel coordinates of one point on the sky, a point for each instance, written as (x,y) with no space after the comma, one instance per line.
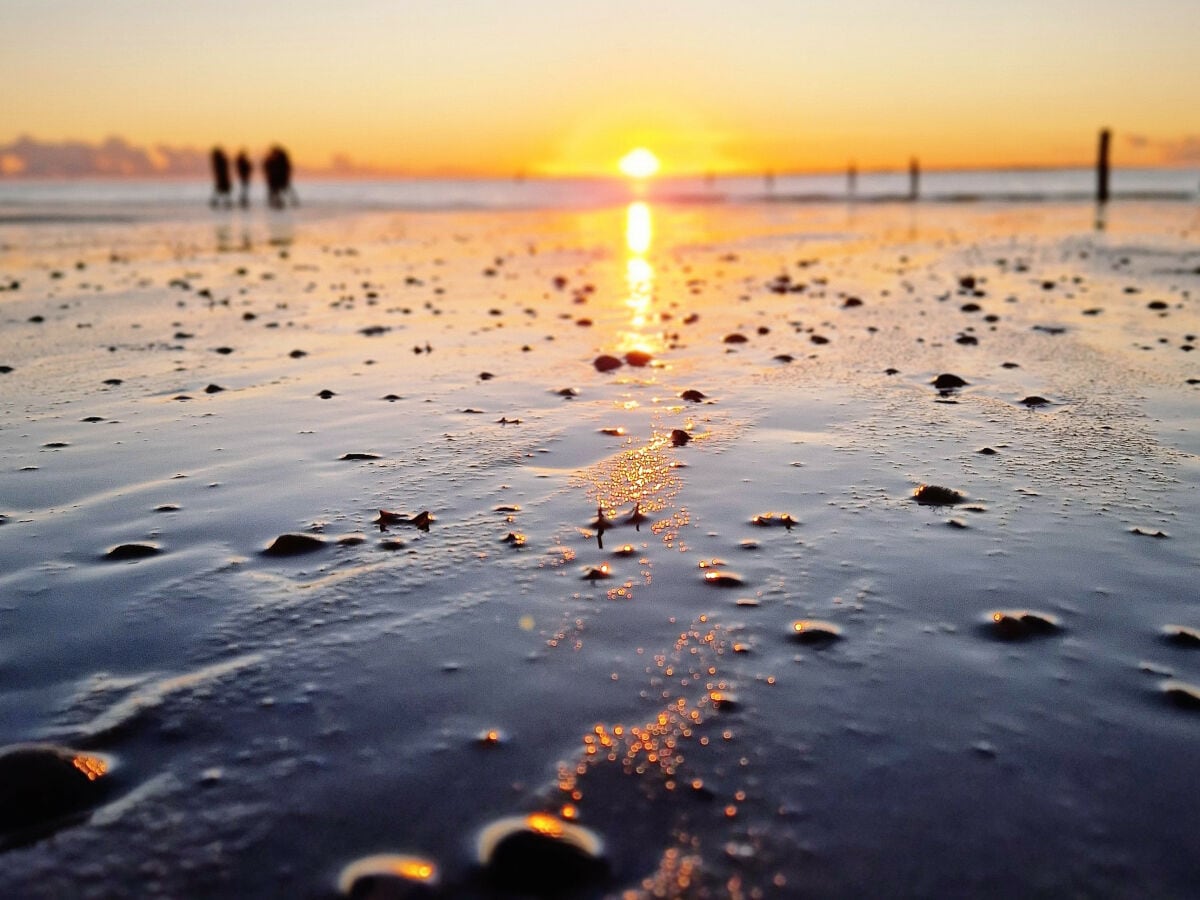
(565,87)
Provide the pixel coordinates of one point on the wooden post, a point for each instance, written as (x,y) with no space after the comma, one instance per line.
(914,179)
(1102,167)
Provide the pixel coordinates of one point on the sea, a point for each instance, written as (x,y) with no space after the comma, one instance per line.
(30,200)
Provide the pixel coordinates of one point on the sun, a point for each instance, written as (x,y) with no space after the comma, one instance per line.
(639,163)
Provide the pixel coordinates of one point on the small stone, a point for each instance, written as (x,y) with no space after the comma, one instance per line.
(1020,625)
(541,855)
(1181,694)
(933,495)
(44,784)
(356,456)
(815,632)
(735,338)
(326,394)
(1182,636)
(679,437)
(1033,401)
(388,875)
(294,545)
(131,551)
(949,382)
(213,389)
(638,358)
(692,396)
(606,363)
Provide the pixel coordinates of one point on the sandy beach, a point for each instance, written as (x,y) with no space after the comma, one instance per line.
(611,516)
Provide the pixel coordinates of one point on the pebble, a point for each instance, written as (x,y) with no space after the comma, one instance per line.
(933,495)
(948,382)
(679,437)
(1181,694)
(388,875)
(815,632)
(541,855)
(1182,636)
(1033,401)
(294,545)
(132,551)
(606,363)
(1020,625)
(43,783)
(353,457)
(692,396)
(638,358)
(773,519)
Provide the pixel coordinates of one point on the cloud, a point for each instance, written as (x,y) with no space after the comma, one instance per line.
(1177,151)
(31,158)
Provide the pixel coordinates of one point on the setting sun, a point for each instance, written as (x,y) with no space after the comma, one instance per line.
(639,163)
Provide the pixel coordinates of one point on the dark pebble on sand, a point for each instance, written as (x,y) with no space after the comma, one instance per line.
(784,358)
(1033,401)
(326,394)
(890,371)
(294,545)
(1182,636)
(986,451)
(1182,694)
(722,578)
(851,302)
(298,354)
(679,437)
(1020,625)
(486,376)
(374,330)
(359,456)
(224,351)
(735,338)
(692,396)
(606,363)
(815,632)
(947,382)
(391,398)
(933,495)
(1156,304)
(213,389)
(41,784)
(638,358)
(4,370)
(131,551)
(541,855)
(113,382)
(389,876)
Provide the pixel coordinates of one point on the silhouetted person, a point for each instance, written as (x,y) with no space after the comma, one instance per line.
(278,169)
(242,164)
(222,186)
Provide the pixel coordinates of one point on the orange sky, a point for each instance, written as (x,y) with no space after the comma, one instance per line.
(554,88)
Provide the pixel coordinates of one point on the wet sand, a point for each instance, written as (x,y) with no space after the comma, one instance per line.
(696,602)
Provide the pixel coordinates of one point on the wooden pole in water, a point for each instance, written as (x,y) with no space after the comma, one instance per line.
(914,178)
(1102,167)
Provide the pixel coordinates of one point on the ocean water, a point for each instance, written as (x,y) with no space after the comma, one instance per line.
(141,198)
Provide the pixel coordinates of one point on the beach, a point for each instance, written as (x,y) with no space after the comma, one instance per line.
(611,515)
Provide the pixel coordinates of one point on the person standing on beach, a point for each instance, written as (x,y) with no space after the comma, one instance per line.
(242,164)
(278,169)
(222,186)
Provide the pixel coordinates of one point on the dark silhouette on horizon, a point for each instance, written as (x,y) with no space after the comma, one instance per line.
(244,168)
(278,170)
(222,186)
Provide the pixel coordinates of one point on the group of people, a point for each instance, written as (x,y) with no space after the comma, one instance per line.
(277,170)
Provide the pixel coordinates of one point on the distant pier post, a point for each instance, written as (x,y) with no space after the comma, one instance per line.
(1102,167)
(914,179)
(851,181)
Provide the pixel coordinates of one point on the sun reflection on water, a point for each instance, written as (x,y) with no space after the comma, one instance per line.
(639,279)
